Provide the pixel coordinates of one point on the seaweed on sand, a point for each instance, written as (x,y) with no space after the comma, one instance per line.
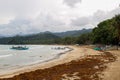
(88,68)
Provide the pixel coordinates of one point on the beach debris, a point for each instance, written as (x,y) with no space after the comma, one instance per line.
(88,68)
(59,48)
(96,67)
(71,76)
(98,49)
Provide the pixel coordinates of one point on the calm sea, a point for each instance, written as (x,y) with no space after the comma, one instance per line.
(10,59)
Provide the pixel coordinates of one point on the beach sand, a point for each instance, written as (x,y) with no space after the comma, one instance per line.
(113,70)
(82,63)
(75,54)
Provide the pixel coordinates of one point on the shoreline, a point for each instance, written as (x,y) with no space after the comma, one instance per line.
(18,69)
(62,58)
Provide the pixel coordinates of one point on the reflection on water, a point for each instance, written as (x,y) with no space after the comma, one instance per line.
(15,58)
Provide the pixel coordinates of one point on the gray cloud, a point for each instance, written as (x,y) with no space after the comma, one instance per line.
(47,22)
(15,27)
(96,18)
(80,21)
(72,3)
(44,22)
(33,16)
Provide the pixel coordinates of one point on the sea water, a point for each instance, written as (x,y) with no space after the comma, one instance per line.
(10,59)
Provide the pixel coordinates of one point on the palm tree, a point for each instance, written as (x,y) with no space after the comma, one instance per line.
(117,26)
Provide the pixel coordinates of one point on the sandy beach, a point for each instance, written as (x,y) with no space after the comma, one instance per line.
(76,53)
(88,63)
(113,70)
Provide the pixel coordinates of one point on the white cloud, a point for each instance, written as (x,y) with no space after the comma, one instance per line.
(33,16)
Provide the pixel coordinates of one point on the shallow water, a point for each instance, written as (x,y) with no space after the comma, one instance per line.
(10,59)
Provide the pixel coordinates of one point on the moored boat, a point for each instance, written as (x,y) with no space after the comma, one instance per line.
(20,48)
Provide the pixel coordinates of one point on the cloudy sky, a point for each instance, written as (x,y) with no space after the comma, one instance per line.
(33,16)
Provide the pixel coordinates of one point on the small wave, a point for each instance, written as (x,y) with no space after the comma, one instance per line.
(2,56)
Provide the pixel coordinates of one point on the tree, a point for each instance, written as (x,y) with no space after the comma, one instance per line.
(84,39)
(117,26)
(104,33)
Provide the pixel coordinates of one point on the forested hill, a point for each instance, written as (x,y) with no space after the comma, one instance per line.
(41,38)
(74,33)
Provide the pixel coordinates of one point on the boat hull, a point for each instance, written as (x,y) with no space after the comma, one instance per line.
(19,48)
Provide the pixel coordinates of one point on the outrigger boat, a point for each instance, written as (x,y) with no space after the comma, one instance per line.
(20,48)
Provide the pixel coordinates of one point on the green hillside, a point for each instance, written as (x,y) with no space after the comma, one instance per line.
(74,33)
(40,38)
